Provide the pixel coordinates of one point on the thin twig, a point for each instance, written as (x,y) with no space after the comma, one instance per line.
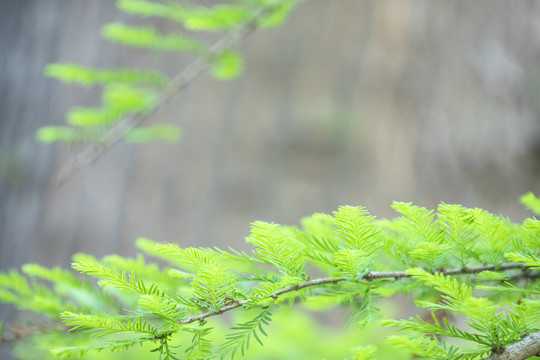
(371,275)
(88,156)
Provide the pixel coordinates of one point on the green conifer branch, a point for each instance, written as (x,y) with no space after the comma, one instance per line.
(240,338)
(73,73)
(201,347)
(143,301)
(369,276)
(116,133)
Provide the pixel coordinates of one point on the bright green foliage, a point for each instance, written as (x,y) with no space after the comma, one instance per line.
(117,345)
(364,352)
(322,225)
(147,37)
(219,17)
(457,223)
(119,100)
(72,73)
(494,329)
(163,307)
(531,202)
(457,297)
(425,347)
(239,340)
(35,295)
(153,133)
(51,134)
(88,117)
(147,271)
(171,10)
(111,277)
(227,66)
(280,9)
(190,258)
(214,287)
(531,233)
(428,246)
(343,294)
(276,246)
(351,263)
(493,236)
(136,93)
(267,287)
(531,261)
(216,18)
(420,222)
(319,237)
(355,228)
(124,99)
(68,286)
(487,276)
(102,326)
(18,290)
(201,347)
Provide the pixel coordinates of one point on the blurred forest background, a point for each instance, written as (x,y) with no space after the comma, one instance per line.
(358,102)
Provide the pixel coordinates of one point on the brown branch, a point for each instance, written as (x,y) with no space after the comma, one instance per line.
(472,270)
(88,156)
(371,275)
(524,349)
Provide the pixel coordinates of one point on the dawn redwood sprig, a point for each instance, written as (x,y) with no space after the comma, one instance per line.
(371,275)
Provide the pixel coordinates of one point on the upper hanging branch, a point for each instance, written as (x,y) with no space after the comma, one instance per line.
(132,96)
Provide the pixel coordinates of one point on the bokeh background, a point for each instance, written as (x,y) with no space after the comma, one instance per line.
(358,102)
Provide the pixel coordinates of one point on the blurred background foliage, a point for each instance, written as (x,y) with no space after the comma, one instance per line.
(349,102)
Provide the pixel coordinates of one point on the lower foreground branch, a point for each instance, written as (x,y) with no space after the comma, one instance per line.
(528,347)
